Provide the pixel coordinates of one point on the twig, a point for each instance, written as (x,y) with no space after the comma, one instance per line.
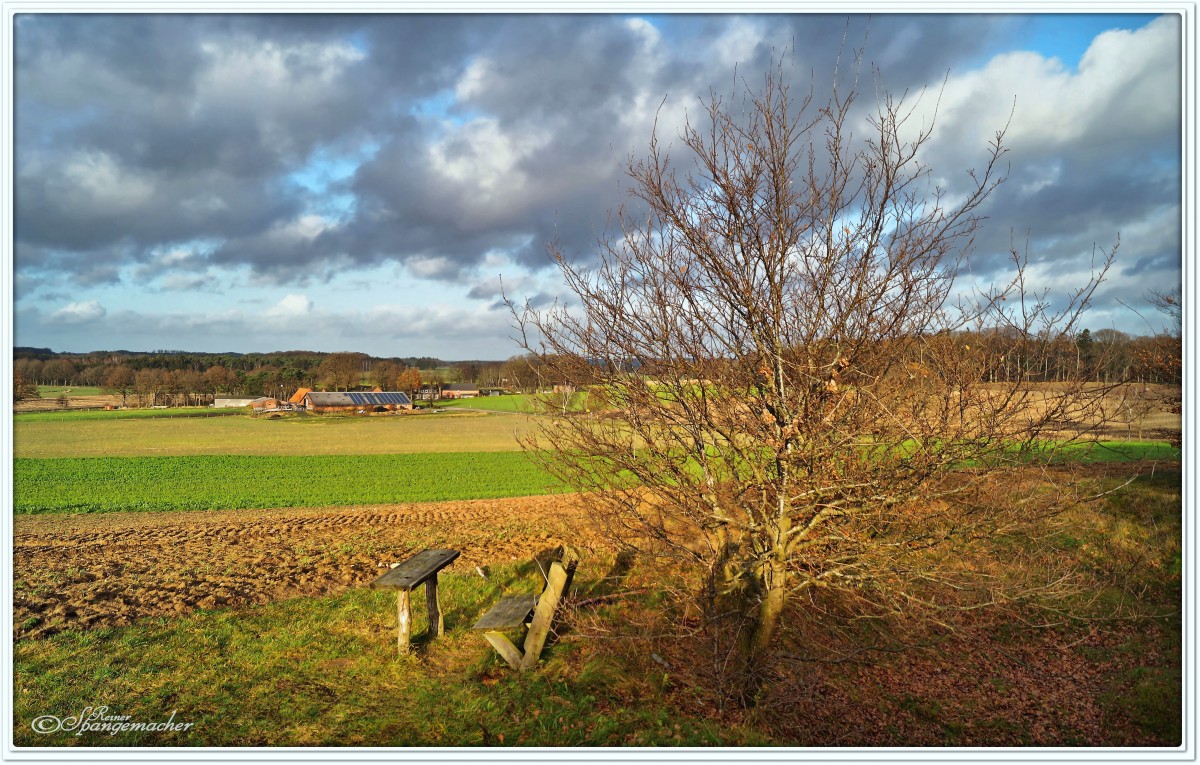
(610,596)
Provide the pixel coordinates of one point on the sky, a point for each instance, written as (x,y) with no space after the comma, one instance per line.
(250,183)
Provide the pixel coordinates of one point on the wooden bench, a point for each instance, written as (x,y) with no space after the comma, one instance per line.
(536,610)
(422,567)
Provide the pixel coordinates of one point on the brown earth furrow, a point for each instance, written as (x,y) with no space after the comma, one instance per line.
(84,571)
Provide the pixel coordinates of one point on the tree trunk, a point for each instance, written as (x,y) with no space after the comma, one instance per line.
(762,606)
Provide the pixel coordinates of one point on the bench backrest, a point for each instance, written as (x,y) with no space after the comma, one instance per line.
(558,584)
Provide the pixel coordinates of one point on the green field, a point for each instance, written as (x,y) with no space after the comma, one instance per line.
(100,434)
(1118,451)
(117,484)
(516,403)
(522,402)
(54,391)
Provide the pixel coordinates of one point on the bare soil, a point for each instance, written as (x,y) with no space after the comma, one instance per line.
(83,571)
(51,404)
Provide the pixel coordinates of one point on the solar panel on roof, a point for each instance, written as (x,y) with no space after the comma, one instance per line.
(356,398)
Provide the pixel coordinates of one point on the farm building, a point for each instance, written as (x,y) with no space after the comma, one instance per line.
(356,403)
(460,390)
(298,396)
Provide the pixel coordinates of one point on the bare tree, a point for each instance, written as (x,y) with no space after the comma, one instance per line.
(121,380)
(385,374)
(802,398)
(23,387)
(342,371)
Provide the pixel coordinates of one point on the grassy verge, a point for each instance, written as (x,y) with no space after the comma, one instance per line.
(325,672)
(114,484)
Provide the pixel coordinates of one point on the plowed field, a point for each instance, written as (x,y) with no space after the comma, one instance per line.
(107,570)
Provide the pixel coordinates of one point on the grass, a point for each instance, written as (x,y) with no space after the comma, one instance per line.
(1119,451)
(514,403)
(86,415)
(520,403)
(135,484)
(324,672)
(102,435)
(54,391)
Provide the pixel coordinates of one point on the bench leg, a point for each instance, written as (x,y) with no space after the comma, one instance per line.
(505,648)
(404,621)
(436,627)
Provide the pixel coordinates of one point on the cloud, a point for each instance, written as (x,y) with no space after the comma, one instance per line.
(179,152)
(445,331)
(290,307)
(78,313)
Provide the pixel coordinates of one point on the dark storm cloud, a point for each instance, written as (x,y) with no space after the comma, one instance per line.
(138,132)
(482,134)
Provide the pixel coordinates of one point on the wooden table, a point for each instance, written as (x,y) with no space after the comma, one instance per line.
(422,567)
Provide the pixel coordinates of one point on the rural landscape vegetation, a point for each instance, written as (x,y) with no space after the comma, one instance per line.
(822,495)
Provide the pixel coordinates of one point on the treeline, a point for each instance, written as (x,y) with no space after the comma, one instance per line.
(173,378)
(180,378)
(1106,355)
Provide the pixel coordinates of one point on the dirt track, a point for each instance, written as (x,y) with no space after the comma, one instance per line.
(101,570)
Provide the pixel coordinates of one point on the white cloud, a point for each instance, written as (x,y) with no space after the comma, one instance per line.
(481,157)
(290,307)
(474,79)
(741,36)
(1126,88)
(78,313)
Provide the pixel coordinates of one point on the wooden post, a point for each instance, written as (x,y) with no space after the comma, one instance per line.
(404,620)
(543,614)
(436,627)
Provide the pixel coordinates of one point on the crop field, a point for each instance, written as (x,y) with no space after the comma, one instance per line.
(99,434)
(134,484)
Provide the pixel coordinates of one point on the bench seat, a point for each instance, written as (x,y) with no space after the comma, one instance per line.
(510,612)
(417,569)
